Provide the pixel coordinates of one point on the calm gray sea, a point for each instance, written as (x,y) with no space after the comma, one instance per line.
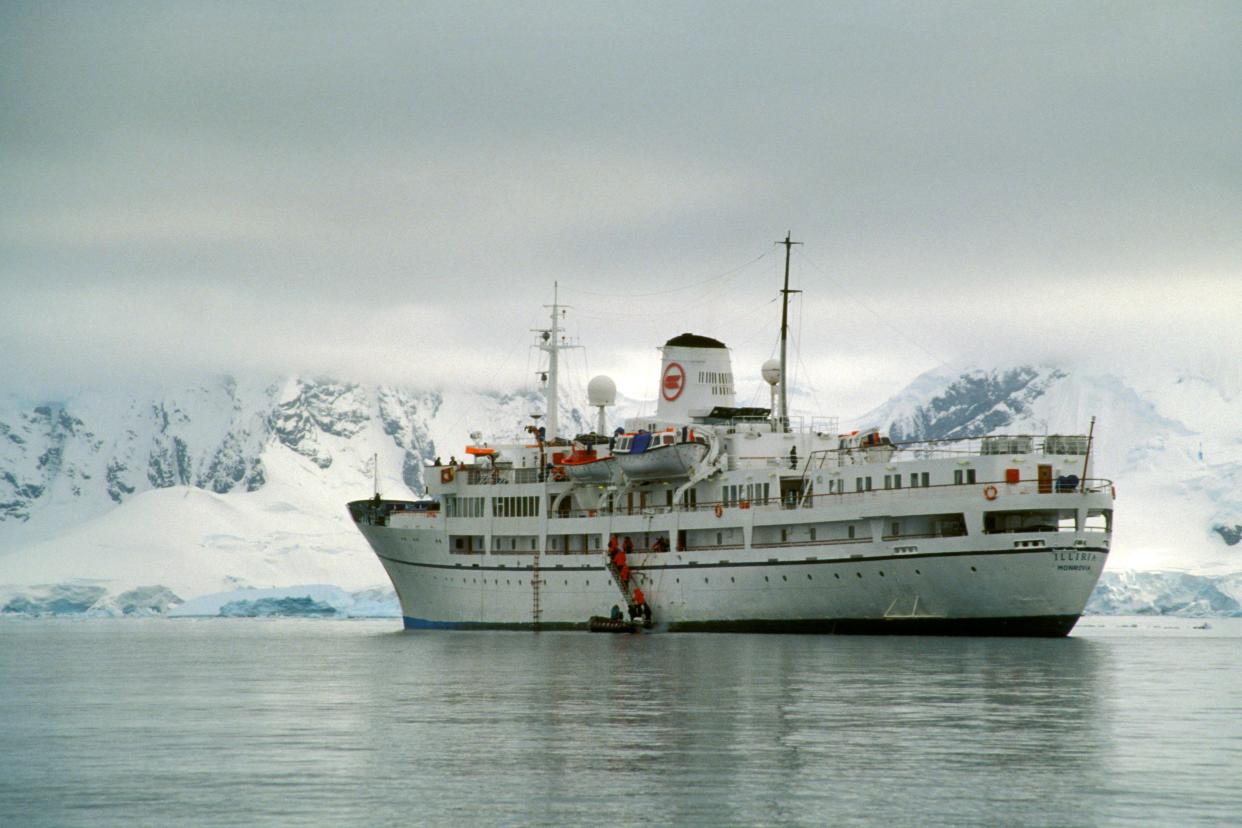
(269,722)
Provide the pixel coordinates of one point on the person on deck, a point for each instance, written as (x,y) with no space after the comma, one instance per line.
(625,573)
(627,545)
(618,559)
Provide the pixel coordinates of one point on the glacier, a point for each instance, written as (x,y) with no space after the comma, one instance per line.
(229,485)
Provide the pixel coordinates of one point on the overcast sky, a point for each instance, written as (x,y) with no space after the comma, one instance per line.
(388,191)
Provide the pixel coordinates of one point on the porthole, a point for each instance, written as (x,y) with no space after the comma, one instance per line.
(837,575)
(972,569)
(765,578)
(808,577)
(732,580)
(783,578)
(704,580)
(881,573)
(859,574)
(916,572)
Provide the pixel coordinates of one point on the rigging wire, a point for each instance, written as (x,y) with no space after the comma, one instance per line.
(709,280)
(940,361)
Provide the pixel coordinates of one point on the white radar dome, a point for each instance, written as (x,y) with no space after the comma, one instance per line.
(601,390)
(771,371)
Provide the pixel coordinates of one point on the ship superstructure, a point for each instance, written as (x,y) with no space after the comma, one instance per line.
(743,518)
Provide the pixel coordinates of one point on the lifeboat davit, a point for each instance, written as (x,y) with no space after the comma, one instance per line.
(663,455)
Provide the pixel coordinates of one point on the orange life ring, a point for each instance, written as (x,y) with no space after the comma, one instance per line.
(446,474)
(719,510)
(989,492)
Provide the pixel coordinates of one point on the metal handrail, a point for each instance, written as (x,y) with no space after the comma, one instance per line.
(1087,486)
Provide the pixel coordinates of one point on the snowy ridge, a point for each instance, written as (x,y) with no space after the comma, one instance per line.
(221,484)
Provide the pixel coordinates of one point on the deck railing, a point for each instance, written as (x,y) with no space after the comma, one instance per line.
(774,504)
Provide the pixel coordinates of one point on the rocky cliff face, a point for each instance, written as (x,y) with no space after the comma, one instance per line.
(73,459)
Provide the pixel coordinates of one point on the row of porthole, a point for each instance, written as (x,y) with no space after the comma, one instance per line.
(836,575)
(732,579)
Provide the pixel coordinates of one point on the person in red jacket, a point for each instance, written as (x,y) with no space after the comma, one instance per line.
(640,601)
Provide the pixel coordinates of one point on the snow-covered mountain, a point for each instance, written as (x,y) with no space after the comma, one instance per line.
(121,499)
(221,484)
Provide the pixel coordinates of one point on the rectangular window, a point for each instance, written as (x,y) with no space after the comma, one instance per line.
(926,478)
(868,484)
(970,475)
(812,533)
(896,529)
(957,477)
(888,481)
(896,481)
(858,484)
(851,531)
(914,480)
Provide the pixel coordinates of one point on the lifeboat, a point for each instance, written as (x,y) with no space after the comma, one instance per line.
(663,455)
(585,467)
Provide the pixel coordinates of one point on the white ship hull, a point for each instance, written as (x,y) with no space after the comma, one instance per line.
(1032,583)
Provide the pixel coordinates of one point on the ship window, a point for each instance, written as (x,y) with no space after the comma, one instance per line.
(914,480)
(888,481)
(1099,520)
(896,528)
(957,477)
(896,481)
(858,484)
(1028,520)
(812,533)
(851,531)
(868,484)
(532,544)
(926,479)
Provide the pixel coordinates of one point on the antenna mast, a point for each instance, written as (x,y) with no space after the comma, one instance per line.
(550,342)
(784,409)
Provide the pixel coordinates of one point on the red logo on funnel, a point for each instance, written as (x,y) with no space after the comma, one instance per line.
(674,381)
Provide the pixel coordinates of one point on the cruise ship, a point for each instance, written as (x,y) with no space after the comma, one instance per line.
(745,519)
